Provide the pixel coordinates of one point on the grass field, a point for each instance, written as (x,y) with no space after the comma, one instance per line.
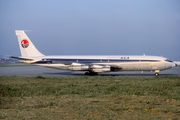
(90,97)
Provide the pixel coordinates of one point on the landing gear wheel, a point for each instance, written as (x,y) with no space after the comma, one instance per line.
(156,74)
(86,73)
(90,73)
(93,73)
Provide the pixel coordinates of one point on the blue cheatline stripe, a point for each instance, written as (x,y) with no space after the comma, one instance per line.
(94,60)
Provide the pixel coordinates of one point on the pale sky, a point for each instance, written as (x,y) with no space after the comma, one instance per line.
(93,27)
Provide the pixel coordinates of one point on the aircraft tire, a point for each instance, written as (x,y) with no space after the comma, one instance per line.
(156,74)
(90,73)
(86,73)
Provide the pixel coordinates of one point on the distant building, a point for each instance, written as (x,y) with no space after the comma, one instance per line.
(7,60)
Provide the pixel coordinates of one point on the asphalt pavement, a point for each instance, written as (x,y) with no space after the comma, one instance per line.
(37,70)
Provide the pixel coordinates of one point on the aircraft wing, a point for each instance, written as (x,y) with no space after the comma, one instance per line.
(86,66)
(82,63)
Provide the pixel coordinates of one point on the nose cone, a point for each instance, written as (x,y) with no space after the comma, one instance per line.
(177,63)
(170,65)
(174,64)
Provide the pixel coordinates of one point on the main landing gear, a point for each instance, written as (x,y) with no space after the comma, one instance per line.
(90,73)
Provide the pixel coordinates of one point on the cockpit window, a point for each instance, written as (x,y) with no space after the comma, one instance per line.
(168,60)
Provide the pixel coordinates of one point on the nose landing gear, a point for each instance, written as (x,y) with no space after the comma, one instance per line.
(156,73)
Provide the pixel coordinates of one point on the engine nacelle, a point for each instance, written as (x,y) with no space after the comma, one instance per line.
(115,68)
(96,66)
(76,64)
(80,68)
(108,69)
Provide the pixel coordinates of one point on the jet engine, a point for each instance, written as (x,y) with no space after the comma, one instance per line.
(80,68)
(99,68)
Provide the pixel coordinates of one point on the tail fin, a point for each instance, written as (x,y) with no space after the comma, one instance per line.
(27,48)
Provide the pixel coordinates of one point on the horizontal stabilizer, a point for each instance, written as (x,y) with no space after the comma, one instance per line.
(20,58)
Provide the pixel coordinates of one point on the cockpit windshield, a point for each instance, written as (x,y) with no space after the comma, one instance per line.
(168,60)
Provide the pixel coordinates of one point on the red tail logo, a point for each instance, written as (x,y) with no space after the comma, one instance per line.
(24,43)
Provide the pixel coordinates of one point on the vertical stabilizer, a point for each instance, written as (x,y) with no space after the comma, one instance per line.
(27,48)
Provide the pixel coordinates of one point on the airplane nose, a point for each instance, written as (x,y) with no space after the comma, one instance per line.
(177,63)
(174,64)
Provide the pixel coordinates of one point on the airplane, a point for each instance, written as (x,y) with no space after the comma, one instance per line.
(92,64)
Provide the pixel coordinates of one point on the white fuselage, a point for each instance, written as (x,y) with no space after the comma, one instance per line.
(126,63)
